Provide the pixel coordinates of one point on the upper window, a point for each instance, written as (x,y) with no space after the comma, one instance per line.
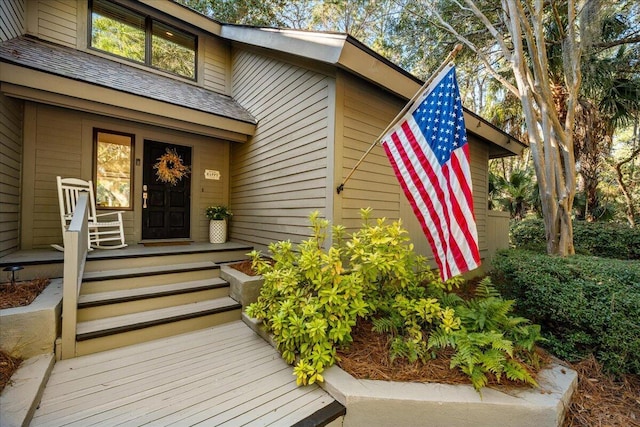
(131,35)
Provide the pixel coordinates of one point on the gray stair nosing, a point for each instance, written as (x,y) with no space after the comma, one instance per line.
(142,296)
(323,416)
(155,322)
(131,273)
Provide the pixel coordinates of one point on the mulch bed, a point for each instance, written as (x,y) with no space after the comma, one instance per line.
(16,295)
(368,358)
(244,267)
(601,400)
(8,365)
(21,293)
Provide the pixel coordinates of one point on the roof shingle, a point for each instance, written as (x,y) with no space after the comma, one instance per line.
(82,66)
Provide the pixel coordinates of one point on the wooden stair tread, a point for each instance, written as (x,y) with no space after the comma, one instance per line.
(112,325)
(148,270)
(102,298)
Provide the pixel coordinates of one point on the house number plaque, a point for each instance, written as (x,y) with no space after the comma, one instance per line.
(211,174)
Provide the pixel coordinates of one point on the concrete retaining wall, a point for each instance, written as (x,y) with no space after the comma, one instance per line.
(32,330)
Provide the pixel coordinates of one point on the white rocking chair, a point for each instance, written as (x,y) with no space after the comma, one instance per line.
(102,229)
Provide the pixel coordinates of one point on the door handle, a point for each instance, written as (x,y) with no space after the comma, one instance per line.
(145,195)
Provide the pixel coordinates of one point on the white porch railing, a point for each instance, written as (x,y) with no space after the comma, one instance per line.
(76,246)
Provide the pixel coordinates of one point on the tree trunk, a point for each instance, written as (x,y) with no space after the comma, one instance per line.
(630,210)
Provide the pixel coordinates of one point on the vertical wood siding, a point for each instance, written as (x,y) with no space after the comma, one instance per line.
(280,175)
(60,142)
(11,121)
(57,21)
(366,112)
(56,150)
(12,19)
(216,66)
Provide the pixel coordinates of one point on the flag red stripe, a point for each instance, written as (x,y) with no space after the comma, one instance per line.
(427,163)
(421,193)
(463,221)
(413,204)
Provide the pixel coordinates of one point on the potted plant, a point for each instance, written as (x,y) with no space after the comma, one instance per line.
(218,216)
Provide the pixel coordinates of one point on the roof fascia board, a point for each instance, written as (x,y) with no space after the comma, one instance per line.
(487,131)
(362,63)
(320,47)
(185,14)
(36,85)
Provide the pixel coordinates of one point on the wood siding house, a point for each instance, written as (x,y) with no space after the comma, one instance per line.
(279,117)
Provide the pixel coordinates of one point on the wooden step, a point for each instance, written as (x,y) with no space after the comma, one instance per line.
(141,256)
(139,277)
(99,335)
(116,303)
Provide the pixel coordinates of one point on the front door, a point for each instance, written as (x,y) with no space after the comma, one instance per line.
(166,206)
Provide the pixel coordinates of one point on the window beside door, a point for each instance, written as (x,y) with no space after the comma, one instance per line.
(113,169)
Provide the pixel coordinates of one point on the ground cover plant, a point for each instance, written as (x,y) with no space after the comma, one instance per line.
(586,305)
(313,297)
(602,239)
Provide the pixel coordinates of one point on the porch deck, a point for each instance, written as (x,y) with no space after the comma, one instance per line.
(226,375)
(48,262)
(53,256)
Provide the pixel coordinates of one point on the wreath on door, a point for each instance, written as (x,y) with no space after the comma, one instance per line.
(170,167)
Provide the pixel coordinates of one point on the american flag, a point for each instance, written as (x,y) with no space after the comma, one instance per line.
(429,153)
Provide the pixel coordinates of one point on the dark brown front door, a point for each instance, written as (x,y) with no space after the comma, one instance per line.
(167,211)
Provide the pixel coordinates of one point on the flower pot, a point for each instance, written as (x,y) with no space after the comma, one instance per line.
(217,230)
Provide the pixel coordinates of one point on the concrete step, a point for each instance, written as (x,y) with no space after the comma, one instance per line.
(127,301)
(140,277)
(118,331)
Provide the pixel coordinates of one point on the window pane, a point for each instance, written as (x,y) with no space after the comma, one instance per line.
(173,50)
(118,31)
(113,170)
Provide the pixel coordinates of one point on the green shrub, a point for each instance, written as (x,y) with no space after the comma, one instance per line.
(584,304)
(310,302)
(311,299)
(603,239)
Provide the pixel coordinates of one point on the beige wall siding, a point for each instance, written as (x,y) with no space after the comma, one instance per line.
(11,120)
(365,112)
(217,65)
(281,174)
(60,142)
(12,19)
(54,20)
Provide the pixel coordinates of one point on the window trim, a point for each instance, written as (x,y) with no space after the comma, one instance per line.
(148,40)
(132,138)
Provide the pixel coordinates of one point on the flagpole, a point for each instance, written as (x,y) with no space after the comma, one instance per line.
(402,112)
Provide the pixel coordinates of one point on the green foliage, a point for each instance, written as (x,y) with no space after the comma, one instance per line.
(608,240)
(489,341)
(308,301)
(312,297)
(586,305)
(217,212)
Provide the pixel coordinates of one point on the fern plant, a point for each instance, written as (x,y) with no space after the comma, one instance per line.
(490,341)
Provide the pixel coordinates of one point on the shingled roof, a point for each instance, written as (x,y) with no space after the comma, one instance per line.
(85,67)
